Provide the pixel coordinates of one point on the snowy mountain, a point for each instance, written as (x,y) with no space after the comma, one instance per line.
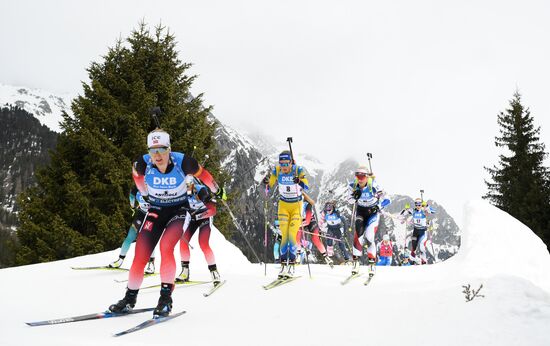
(45,106)
(514,309)
(24,145)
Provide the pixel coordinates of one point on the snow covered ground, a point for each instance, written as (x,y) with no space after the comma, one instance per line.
(421,305)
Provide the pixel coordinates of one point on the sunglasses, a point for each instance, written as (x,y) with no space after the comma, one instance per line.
(360,175)
(284,164)
(160,150)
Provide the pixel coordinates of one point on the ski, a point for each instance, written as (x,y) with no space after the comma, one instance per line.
(149,323)
(280,282)
(213,289)
(180,283)
(99,267)
(273,284)
(351,277)
(95,316)
(371,275)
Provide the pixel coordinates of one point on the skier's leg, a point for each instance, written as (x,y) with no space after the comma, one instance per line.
(170,238)
(204,238)
(316,239)
(370,231)
(414,241)
(422,240)
(342,246)
(294,227)
(130,238)
(330,242)
(147,239)
(284,217)
(276,251)
(358,239)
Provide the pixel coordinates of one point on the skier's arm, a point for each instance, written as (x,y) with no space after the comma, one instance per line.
(192,166)
(138,174)
(132,197)
(351,191)
(302,180)
(203,194)
(308,199)
(272,178)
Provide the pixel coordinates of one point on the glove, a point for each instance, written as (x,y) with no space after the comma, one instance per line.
(296,180)
(265,181)
(356,194)
(146,199)
(220,194)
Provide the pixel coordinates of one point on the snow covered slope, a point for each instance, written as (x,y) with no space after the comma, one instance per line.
(44,105)
(420,305)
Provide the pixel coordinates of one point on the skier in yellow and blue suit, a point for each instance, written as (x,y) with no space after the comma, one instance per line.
(291,180)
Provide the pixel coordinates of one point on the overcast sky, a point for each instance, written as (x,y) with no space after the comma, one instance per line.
(417,83)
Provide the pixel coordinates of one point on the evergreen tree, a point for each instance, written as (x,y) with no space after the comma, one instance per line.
(79,205)
(521,184)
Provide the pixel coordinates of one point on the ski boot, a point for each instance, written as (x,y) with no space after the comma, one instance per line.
(184,276)
(355,266)
(290,271)
(215,275)
(164,306)
(150,269)
(372,266)
(282,271)
(328,260)
(298,256)
(126,304)
(117,263)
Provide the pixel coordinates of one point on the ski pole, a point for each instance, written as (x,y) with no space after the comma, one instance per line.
(369,156)
(206,157)
(323,236)
(289,140)
(430,229)
(422,195)
(254,166)
(265,237)
(236,223)
(307,257)
(155,113)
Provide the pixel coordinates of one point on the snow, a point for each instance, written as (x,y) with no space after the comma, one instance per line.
(45,106)
(420,305)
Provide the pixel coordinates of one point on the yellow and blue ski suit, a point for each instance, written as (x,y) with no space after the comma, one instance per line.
(290,207)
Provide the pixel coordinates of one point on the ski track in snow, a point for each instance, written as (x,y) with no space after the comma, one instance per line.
(421,305)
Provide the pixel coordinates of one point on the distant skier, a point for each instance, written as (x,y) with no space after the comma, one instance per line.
(385,249)
(159,176)
(291,180)
(367,195)
(140,210)
(276,240)
(420,225)
(201,209)
(309,224)
(334,224)
(405,258)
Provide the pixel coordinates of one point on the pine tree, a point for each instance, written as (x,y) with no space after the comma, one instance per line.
(521,183)
(79,205)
